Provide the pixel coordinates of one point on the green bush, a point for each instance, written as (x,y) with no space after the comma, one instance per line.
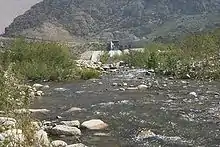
(14,96)
(104,58)
(12,93)
(87,73)
(39,61)
(196,56)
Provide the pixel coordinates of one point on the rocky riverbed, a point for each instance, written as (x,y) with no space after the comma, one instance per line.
(132,108)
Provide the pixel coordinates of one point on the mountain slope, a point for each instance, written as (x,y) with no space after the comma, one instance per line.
(126,20)
(12,8)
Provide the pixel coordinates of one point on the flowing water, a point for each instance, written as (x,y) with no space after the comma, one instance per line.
(166,108)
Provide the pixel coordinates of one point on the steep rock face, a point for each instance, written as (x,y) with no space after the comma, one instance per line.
(115,19)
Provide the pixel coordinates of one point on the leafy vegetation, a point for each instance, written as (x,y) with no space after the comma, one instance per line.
(14,96)
(31,61)
(40,61)
(104,57)
(196,56)
(89,74)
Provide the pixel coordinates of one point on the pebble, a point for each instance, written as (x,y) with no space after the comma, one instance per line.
(132,88)
(142,87)
(125,84)
(101,134)
(122,89)
(58,117)
(38,85)
(193,94)
(114,84)
(39,93)
(60,89)
(73,109)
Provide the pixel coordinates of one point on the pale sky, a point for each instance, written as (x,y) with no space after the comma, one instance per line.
(9,9)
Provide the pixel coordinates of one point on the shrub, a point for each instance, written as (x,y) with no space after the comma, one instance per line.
(39,61)
(87,73)
(104,58)
(14,96)
(196,56)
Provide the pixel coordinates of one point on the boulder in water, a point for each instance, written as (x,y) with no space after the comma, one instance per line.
(39,93)
(94,124)
(132,88)
(58,143)
(114,84)
(60,89)
(37,86)
(74,123)
(142,87)
(100,83)
(65,130)
(73,109)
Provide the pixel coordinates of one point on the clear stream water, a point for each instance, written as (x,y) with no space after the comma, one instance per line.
(166,108)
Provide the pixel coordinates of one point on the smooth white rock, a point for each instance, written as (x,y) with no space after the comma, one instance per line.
(94,124)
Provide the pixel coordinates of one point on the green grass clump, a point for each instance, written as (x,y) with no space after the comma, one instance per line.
(87,73)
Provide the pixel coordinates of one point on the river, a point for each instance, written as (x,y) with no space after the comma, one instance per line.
(186,109)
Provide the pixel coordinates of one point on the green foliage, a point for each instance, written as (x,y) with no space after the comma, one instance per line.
(40,61)
(196,56)
(14,96)
(104,58)
(12,93)
(201,45)
(31,61)
(87,73)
